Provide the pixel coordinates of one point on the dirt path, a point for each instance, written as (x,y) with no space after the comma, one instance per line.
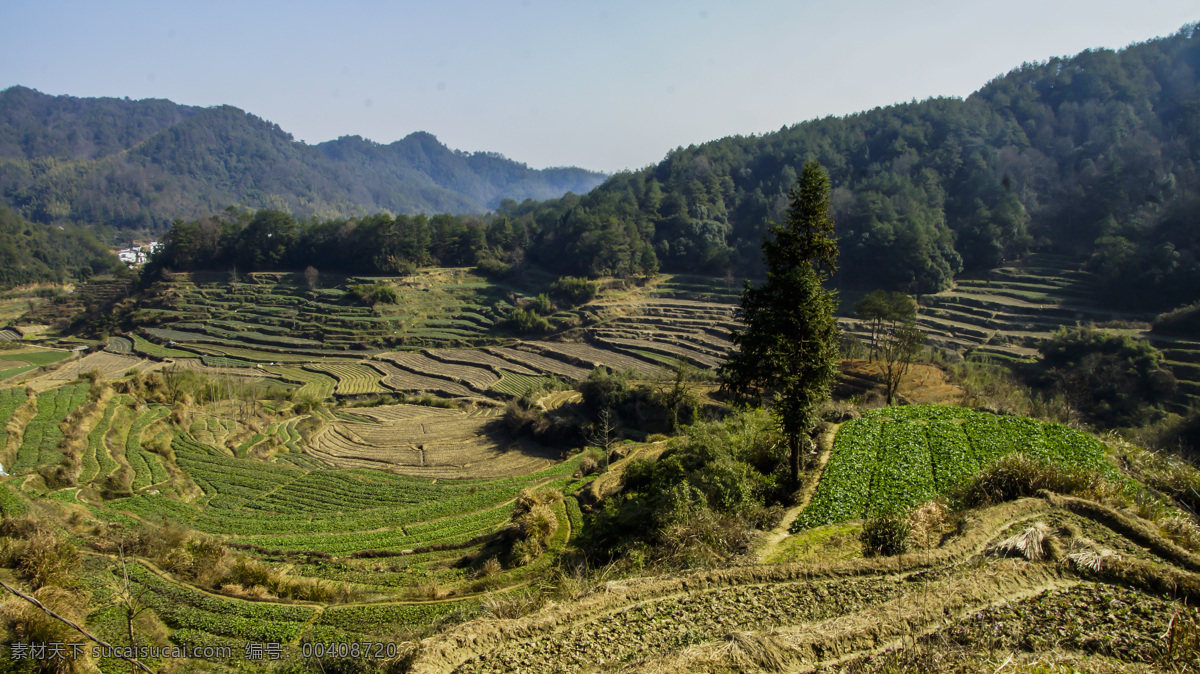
(771,540)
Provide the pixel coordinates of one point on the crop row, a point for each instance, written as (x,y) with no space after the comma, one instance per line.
(147,348)
(122,345)
(183,608)
(323,501)
(42,434)
(540,363)
(108,364)
(352,378)
(10,400)
(593,357)
(312,384)
(479,358)
(673,351)
(96,460)
(896,458)
(378,619)
(452,530)
(147,467)
(403,380)
(517,385)
(477,378)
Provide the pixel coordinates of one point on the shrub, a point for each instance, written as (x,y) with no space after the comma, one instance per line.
(1017,476)
(370,294)
(574,290)
(526,322)
(886,536)
(46,560)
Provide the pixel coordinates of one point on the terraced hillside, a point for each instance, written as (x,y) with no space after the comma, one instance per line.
(279,311)
(440,337)
(921,612)
(1056,580)
(1009,311)
(362,546)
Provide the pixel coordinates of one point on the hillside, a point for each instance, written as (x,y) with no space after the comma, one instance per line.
(37,253)
(269,470)
(146,163)
(1091,156)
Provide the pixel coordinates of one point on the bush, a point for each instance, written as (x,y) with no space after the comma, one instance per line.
(886,536)
(370,294)
(574,290)
(1114,379)
(1017,476)
(526,322)
(1183,320)
(699,502)
(46,560)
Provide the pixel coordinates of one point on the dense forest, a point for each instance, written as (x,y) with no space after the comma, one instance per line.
(1094,156)
(35,253)
(142,164)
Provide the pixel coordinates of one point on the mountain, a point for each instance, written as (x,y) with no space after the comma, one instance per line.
(1095,156)
(146,163)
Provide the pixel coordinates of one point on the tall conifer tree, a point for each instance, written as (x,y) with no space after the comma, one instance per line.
(789,346)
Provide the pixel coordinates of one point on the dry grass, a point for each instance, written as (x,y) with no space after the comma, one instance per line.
(927,523)
(47,560)
(513,605)
(1017,475)
(1183,641)
(1033,543)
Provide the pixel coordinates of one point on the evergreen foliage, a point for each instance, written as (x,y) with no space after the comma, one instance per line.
(1088,156)
(1113,379)
(37,253)
(790,342)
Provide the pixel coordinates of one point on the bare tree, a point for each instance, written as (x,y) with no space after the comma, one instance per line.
(898,345)
(675,386)
(132,601)
(311,277)
(604,434)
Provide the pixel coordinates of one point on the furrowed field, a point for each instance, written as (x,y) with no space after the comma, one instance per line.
(896,458)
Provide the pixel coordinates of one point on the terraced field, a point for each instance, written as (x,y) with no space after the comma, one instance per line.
(427,441)
(352,378)
(279,311)
(862,613)
(1008,312)
(108,364)
(894,459)
(475,378)
(40,442)
(398,507)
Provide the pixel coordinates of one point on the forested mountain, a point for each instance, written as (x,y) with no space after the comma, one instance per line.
(146,163)
(1094,155)
(32,252)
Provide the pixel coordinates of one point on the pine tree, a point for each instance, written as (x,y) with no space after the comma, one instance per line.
(789,346)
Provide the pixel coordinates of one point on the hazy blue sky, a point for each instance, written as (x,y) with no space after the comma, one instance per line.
(603,85)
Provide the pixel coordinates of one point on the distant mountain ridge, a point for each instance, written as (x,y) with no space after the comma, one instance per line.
(146,163)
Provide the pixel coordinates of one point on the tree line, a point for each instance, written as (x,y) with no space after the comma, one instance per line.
(1091,156)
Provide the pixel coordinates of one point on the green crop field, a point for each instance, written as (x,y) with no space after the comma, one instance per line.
(42,435)
(896,458)
(10,400)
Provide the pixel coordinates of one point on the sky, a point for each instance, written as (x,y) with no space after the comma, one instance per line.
(602,85)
